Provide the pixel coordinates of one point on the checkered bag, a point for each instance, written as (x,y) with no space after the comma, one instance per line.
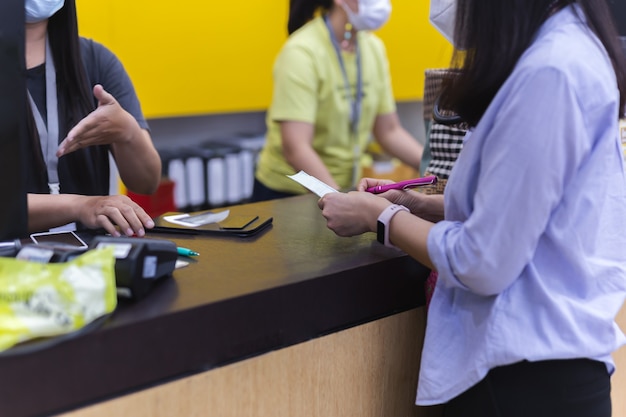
(433,79)
(445,141)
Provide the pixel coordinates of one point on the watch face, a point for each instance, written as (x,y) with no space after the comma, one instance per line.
(380,232)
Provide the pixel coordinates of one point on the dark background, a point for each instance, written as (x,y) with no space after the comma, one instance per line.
(619,11)
(12,123)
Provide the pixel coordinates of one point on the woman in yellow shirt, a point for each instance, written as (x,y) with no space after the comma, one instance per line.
(332,92)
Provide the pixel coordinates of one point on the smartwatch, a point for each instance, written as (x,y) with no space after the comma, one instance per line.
(382,225)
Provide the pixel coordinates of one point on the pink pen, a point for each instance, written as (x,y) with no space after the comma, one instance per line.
(403,185)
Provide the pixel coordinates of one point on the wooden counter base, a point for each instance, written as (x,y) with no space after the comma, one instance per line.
(368,370)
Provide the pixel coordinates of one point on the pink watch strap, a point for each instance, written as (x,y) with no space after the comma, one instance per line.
(382,230)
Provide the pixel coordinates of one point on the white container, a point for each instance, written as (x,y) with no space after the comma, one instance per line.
(196,197)
(176,172)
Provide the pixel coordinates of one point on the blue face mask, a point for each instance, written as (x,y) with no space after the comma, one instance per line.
(38,10)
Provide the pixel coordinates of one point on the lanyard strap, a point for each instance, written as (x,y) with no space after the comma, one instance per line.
(354,100)
(49,135)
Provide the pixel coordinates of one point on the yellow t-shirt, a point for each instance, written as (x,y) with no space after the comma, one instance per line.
(309,87)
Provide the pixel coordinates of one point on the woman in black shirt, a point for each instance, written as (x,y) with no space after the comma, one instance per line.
(82,107)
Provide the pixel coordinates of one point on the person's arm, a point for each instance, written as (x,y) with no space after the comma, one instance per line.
(396,141)
(140,175)
(410,233)
(116,214)
(297,141)
(354,213)
(138,161)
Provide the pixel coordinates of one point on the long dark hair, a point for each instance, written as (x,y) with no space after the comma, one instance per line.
(75,98)
(301,11)
(485,64)
(71,77)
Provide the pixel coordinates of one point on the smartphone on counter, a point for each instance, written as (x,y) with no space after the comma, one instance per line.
(67,238)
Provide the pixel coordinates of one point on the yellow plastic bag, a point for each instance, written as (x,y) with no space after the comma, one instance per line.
(49,299)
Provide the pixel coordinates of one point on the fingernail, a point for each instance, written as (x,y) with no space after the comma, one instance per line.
(150,224)
(141,233)
(129,232)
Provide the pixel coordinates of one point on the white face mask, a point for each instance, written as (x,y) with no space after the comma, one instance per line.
(443,17)
(38,10)
(372,14)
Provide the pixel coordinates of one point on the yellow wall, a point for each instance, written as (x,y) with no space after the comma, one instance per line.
(200,57)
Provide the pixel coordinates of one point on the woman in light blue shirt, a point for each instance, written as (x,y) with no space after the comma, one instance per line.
(531,254)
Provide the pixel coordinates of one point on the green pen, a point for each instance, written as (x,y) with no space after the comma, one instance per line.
(186,252)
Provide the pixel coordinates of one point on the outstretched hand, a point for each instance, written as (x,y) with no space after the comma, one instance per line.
(108,124)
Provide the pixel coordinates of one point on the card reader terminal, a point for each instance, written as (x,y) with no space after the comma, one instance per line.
(139,262)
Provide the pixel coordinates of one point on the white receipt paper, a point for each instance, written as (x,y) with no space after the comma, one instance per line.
(312,184)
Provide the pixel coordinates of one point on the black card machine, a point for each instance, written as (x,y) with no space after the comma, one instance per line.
(139,262)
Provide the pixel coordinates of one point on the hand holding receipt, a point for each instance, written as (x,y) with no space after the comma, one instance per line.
(312,184)
(320,188)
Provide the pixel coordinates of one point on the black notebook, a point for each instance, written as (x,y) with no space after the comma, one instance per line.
(212,222)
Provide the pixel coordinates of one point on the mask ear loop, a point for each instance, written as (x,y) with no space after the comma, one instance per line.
(447,120)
